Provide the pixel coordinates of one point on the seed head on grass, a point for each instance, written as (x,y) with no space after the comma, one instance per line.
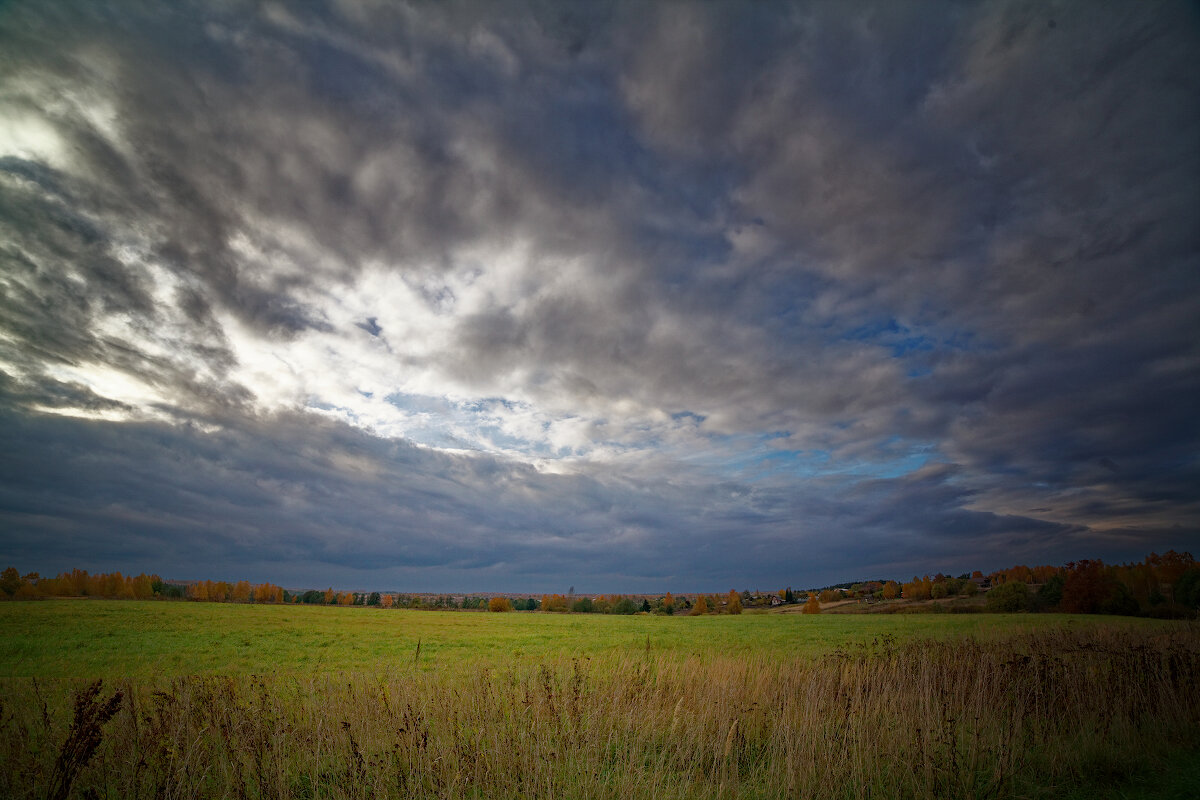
(87,728)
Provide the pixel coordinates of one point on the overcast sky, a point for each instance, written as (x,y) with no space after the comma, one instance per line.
(619,296)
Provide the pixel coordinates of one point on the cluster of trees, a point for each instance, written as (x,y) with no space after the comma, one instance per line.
(329,597)
(716,604)
(239,592)
(1165,585)
(935,588)
(1161,585)
(666,604)
(606,604)
(78,583)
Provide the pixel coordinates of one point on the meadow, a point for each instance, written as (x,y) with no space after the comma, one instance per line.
(212,700)
(153,639)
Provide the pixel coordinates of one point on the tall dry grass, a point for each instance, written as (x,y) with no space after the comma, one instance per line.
(965,719)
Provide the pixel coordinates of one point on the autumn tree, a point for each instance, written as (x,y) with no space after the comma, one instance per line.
(125,589)
(735,603)
(1170,566)
(500,604)
(812,605)
(241,592)
(891,590)
(1090,588)
(554,602)
(918,588)
(143,586)
(701,607)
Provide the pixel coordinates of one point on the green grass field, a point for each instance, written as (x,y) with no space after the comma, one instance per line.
(239,701)
(113,638)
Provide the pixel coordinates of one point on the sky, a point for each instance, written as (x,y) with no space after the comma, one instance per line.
(626,297)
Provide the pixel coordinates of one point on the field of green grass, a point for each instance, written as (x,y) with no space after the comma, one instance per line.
(204,700)
(142,639)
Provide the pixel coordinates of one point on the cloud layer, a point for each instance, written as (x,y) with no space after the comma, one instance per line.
(516,295)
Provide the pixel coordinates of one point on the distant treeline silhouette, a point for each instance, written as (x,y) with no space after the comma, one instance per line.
(1166,585)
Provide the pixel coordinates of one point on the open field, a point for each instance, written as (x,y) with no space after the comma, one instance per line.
(285,702)
(139,639)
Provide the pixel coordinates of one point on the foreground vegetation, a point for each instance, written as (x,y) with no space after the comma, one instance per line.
(1040,714)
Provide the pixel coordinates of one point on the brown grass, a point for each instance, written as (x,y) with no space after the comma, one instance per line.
(1033,716)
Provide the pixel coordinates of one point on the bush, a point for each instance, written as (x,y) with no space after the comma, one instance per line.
(1009,597)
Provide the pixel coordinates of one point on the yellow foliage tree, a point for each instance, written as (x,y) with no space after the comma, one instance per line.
(701,607)
(143,587)
(500,604)
(812,605)
(735,602)
(554,602)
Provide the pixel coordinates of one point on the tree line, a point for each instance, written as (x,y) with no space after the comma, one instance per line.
(1166,585)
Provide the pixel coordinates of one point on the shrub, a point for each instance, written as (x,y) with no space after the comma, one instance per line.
(500,604)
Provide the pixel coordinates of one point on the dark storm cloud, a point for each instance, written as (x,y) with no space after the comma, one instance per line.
(311,500)
(769,258)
